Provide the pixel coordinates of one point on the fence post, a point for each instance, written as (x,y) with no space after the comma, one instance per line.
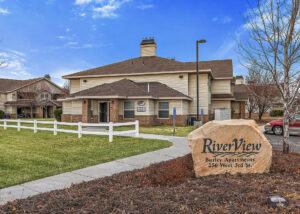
(55,127)
(79,130)
(137,128)
(5,124)
(19,124)
(34,126)
(111,132)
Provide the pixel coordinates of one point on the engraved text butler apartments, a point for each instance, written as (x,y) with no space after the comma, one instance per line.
(147,88)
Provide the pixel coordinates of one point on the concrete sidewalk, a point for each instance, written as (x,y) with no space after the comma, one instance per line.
(65,180)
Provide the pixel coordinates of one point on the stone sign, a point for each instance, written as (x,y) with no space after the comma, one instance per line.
(231,146)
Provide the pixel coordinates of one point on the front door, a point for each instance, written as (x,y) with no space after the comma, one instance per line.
(103,112)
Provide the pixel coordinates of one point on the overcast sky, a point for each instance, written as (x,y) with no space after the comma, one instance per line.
(59,37)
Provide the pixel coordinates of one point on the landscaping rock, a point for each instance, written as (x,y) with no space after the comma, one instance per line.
(230,146)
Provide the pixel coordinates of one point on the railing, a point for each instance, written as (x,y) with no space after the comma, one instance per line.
(79,125)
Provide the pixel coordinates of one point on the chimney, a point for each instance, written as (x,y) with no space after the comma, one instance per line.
(148,47)
(239,80)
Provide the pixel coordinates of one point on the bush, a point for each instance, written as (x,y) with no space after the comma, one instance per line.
(276,113)
(57,114)
(2,114)
(232,113)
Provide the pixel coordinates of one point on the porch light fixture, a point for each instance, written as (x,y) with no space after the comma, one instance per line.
(197,70)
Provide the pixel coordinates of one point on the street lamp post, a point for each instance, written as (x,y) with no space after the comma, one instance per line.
(197,70)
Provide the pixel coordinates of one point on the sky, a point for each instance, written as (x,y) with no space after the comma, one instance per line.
(60,37)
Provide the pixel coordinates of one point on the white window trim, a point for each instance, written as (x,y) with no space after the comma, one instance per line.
(129,110)
(163,118)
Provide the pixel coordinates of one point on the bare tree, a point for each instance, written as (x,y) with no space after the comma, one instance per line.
(29,95)
(273,47)
(261,91)
(251,105)
(67,85)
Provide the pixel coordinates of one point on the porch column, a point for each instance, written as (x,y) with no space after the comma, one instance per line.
(242,109)
(40,113)
(86,105)
(114,110)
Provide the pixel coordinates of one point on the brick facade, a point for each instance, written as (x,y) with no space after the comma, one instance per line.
(114,110)
(153,120)
(71,118)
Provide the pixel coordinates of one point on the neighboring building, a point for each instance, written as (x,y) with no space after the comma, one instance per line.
(29,98)
(148,87)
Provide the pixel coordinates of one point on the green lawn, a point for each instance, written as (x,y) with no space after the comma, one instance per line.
(26,156)
(181,131)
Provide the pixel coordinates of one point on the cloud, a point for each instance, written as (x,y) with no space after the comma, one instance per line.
(226,50)
(145,6)
(101,8)
(215,19)
(15,65)
(80,2)
(226,19)
(4,11)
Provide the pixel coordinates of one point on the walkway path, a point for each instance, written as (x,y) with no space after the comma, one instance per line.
(65,180)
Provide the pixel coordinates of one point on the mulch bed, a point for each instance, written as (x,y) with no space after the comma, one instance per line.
(171,187)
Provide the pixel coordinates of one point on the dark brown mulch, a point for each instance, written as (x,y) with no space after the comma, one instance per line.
(171,187)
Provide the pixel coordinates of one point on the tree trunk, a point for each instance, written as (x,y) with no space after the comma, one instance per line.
(260,114)
(286,133)
(250,114)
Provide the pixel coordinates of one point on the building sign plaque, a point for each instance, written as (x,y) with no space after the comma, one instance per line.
(141,109)
(233,146)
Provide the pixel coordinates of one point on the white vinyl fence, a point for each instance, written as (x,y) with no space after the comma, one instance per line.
(79,130)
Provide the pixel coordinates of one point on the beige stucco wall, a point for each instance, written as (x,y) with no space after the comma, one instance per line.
(74,85)
(72,107)
(221,86)
(148,50)
(171,80)
(204,94)
(11,96)
(11,110)
(152,107)
(2,101)
(236,107)
(216,104)
(149,105)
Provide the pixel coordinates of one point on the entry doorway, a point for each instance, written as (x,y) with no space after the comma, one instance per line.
(103,112)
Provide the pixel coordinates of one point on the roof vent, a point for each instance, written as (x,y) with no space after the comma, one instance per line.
(148,47)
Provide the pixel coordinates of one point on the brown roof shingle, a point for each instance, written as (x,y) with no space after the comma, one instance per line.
(155,64)
(222,96)
(129,88)
(241,92)
(11,84)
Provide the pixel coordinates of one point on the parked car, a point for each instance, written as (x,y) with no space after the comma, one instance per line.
(276,126)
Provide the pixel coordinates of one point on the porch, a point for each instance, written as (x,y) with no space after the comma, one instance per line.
(148,112)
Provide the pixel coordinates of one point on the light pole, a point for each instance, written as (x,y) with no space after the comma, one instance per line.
(197,70)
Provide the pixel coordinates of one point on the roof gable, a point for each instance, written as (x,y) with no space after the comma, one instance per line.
(155,64)
(129,88)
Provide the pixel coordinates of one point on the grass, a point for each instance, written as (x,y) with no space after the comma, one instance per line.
(181,131)
(26,156)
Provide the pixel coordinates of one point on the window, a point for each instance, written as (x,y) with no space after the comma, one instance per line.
(163,110)
(42,96)
(92,108)
(128,109)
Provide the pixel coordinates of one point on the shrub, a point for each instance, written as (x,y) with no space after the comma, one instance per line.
(232,113)
(57,114)
(2,114)
(276,113)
